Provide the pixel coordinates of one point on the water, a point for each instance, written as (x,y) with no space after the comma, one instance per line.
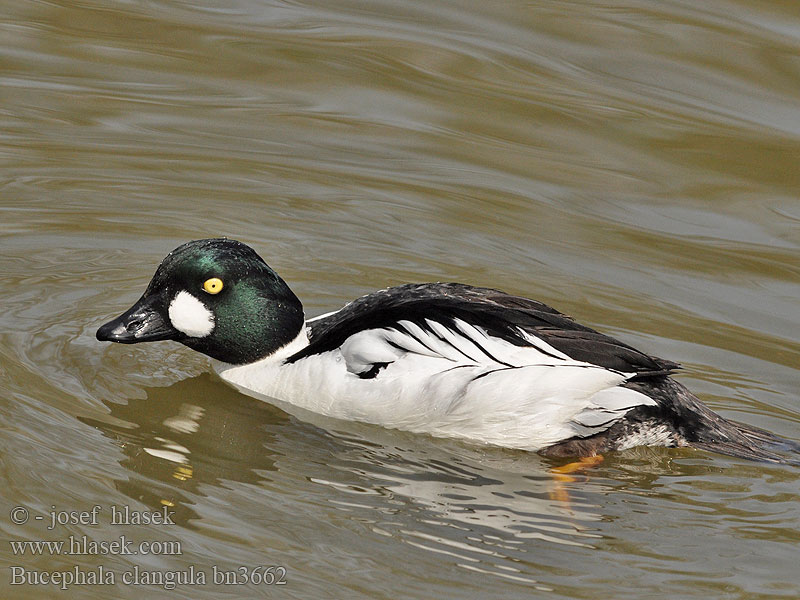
(634,165)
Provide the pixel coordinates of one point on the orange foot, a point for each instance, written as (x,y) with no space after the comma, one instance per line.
(585,462)
(562,476)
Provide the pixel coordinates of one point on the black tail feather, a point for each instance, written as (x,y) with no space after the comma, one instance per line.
(700,427)
(758,444)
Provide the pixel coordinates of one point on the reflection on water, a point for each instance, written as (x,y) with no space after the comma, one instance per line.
(196,445)
(633,165)
(183,436)
(478,506)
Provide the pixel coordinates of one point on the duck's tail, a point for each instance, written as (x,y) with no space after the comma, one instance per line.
(700,427)
(754,444)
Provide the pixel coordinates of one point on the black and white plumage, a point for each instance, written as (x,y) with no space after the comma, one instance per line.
(446,359)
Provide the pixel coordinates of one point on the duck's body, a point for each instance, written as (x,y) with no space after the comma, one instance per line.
(446,359)
(451,360)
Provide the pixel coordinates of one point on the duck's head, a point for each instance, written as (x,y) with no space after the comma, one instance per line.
(216,296)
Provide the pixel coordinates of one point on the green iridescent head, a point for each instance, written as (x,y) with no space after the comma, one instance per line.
(216,296)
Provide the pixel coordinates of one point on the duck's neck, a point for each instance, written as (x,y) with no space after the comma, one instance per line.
(294,346)
(230,372)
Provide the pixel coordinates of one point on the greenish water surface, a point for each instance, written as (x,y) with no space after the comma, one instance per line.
(635,165)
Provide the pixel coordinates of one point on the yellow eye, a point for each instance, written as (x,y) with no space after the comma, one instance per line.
(213,285)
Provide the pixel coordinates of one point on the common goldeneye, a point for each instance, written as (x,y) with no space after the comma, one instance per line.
(446,359)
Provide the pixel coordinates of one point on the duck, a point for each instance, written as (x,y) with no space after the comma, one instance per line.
(445,359)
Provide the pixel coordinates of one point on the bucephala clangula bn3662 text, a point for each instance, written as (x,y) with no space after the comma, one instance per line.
(446,359)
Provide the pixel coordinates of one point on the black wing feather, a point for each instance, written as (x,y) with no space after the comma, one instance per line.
(501,315)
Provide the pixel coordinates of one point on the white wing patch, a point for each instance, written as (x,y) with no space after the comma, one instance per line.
(463,344)
(363,350)
(483,382)
(190,316)
(609,405)
(542,345)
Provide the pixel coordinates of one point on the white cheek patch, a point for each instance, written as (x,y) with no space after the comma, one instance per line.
(190,316)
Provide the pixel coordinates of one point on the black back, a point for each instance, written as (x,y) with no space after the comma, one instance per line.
(499,314)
